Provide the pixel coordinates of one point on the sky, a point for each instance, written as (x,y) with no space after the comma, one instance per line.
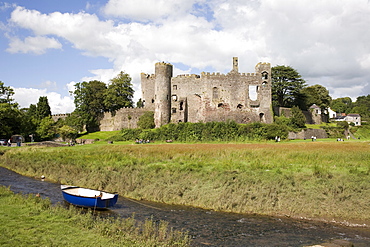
(47,46)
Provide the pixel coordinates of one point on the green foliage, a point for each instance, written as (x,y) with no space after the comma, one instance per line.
(140,103)
(6,93)
(342,105)
(67,132)
(207,132)
(362,107)
(89,101)
(298,120)
(10,120)
(43,108)
(46,130)
(146,121)
(119,93)
(286,86)
(315,94)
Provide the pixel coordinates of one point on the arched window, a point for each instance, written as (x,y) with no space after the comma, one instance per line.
(265,75)
(215,93)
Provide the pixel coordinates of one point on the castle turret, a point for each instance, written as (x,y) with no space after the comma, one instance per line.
(162,101)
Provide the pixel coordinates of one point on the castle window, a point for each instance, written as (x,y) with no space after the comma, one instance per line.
(220,105)
(262,117)
(240,106)
(181,105)
(264,84)
(253,92)
(264,75)
(173,110)
(152,101)
(174,97)
(215,93)
(174,87)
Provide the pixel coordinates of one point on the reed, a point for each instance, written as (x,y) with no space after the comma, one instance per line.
(325,180)
(32,221)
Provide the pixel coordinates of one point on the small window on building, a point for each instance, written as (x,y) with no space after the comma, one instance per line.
(220,105)
(181,105)
(215,93)
(152,101)
(240,106)
(174,87)
(173,110)
(174,97)
(264,75)
(253,92)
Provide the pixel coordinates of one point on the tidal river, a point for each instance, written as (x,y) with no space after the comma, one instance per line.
(209,228)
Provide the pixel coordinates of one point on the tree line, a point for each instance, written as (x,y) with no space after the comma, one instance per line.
(94,98)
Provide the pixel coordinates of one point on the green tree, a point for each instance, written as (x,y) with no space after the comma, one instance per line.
(46,129)
(67,132)
(43,108)
(89,101)
(286,86)
(140,103)
(119,93)
(10,116)
(342,105)
(297,120)
(316,94)
(6,93)
(146,121)
(362,107)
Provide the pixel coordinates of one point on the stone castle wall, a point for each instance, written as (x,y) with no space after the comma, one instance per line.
(242,97)
(124,118)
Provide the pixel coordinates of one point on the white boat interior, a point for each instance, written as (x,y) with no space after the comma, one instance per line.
(88,193)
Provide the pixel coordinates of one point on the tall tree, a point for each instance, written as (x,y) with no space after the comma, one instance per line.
(316,94)
(89,101)
(286,86)
(10,120)
(6,93)
(119,93)
(298,120)
(342,105)
(43,108)
(362,106)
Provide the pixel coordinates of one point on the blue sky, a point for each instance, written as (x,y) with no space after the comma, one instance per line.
(46,46)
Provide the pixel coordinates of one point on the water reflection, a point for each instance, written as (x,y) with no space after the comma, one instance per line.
(209,228)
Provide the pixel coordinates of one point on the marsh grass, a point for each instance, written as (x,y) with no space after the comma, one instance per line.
(327,180)
(32,221)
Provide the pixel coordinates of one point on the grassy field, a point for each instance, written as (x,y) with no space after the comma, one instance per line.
(32,221)
(318,180)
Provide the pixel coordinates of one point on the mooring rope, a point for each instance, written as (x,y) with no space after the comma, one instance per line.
(143,204)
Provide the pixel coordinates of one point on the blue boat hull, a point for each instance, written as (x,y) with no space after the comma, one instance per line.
(97,202)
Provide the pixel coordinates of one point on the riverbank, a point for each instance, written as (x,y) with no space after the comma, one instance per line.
(314,180)
(30,221)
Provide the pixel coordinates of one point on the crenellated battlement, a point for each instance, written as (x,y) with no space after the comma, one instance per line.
(188,76)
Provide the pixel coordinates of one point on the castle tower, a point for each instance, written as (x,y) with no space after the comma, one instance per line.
(235,64)
(162,90)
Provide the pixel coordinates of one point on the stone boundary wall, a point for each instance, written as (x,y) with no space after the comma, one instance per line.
(307,134)
(124,118)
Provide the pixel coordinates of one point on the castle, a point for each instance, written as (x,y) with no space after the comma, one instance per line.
(241,97)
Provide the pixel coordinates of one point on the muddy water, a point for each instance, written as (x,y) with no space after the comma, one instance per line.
(209,228)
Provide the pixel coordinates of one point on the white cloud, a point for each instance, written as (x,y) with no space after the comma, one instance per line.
(37,45)
(147,10)
(326,41)
(58,103)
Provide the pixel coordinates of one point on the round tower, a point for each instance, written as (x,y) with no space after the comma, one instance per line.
(162,90)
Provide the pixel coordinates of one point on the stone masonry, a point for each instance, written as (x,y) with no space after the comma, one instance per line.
(241,97)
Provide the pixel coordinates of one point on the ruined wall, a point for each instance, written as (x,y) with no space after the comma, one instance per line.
(124,118)
(222,97)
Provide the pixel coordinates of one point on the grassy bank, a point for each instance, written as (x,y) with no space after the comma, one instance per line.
(326,180)
(32,221)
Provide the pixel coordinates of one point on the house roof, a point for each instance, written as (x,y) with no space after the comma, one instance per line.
(314,106)
(353,115)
